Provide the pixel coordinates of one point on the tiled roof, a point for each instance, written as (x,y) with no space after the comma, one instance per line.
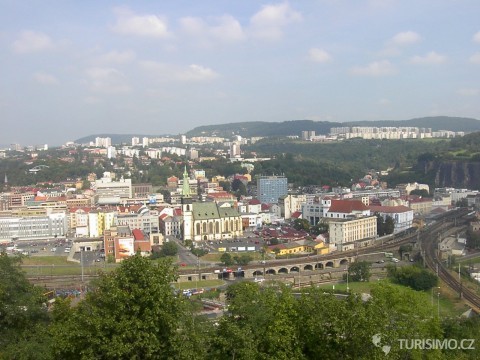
(138,234)
(389,209)
(347,206)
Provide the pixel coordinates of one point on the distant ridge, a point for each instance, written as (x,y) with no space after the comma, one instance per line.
(295,127)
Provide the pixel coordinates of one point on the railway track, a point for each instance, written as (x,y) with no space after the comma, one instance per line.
(430,243)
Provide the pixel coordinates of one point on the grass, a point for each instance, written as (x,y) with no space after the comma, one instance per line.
(450,305)
(45,260)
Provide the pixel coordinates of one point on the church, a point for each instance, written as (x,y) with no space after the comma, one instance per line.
(207,221)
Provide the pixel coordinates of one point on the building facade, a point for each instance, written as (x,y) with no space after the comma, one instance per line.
(270,188)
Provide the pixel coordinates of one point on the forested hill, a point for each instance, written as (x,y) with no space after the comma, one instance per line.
(295,127)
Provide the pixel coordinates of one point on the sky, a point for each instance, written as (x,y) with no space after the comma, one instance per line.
(73,68)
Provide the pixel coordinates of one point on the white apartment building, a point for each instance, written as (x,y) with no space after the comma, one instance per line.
(33,227)
(402,216)
(346,234)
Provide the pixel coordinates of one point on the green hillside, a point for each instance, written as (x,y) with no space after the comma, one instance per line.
(295,127)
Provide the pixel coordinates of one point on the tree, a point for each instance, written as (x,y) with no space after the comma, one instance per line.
(420,192)
(23,314)
(243,259)
(132,313)
(414,277)
(301,224)
(226,259)
(359,271)
(473,239)
(169,249)
(380,225)
(389,225)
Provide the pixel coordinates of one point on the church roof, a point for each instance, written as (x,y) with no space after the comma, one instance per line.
(210,210)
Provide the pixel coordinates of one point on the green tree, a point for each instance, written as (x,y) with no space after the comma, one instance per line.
(389,225)
(301,224)
(131,313)
(414,277)
(23,314)
(380,225)
(359,271)
(226,259)
(243,259)
(169,249)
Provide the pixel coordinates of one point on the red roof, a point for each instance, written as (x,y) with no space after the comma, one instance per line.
(389,209)
(138,234)
(254,202)
(346,206)
(265,207)
(297,214)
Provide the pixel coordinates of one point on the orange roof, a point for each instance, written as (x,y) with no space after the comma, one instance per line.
(138,234)
(347,206)
(389,209)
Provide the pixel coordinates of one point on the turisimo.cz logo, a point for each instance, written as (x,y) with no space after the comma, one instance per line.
(426,344)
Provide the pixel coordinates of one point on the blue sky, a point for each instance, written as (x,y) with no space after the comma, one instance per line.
(74,68)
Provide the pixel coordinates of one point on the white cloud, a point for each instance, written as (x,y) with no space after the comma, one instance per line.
(140,25)
(169,72)
(116,57)
(431,58)
(468,92)
(475,58)
(376,68)
(268,23)
(394,45)
(405,38)
(197,73)
(476,37)
(319,55)
(44,78)
(106,80)
(31,41)
(225,28)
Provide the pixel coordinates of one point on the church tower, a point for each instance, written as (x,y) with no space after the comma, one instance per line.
(187,208)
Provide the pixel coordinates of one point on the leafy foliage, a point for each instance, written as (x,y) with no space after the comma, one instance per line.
(23,314)
(359,271)
(132,314)
(414,277)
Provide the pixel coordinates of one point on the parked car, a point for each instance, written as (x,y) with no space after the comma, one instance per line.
(53,249)
(395,260)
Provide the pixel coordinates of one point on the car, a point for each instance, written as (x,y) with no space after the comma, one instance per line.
(67,250)
(53,249)
(380,261)
(395,260)
(183,264)
(34,251)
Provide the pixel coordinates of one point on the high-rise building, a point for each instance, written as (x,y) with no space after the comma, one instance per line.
(270,188)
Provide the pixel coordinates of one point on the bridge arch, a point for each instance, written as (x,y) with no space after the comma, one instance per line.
(270,272)
(329,264)
(257,272)
(283,271)
(294,269)
(344,262)
(308,267)
(319,266)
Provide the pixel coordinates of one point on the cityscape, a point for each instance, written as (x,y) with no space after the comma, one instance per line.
(251,180)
